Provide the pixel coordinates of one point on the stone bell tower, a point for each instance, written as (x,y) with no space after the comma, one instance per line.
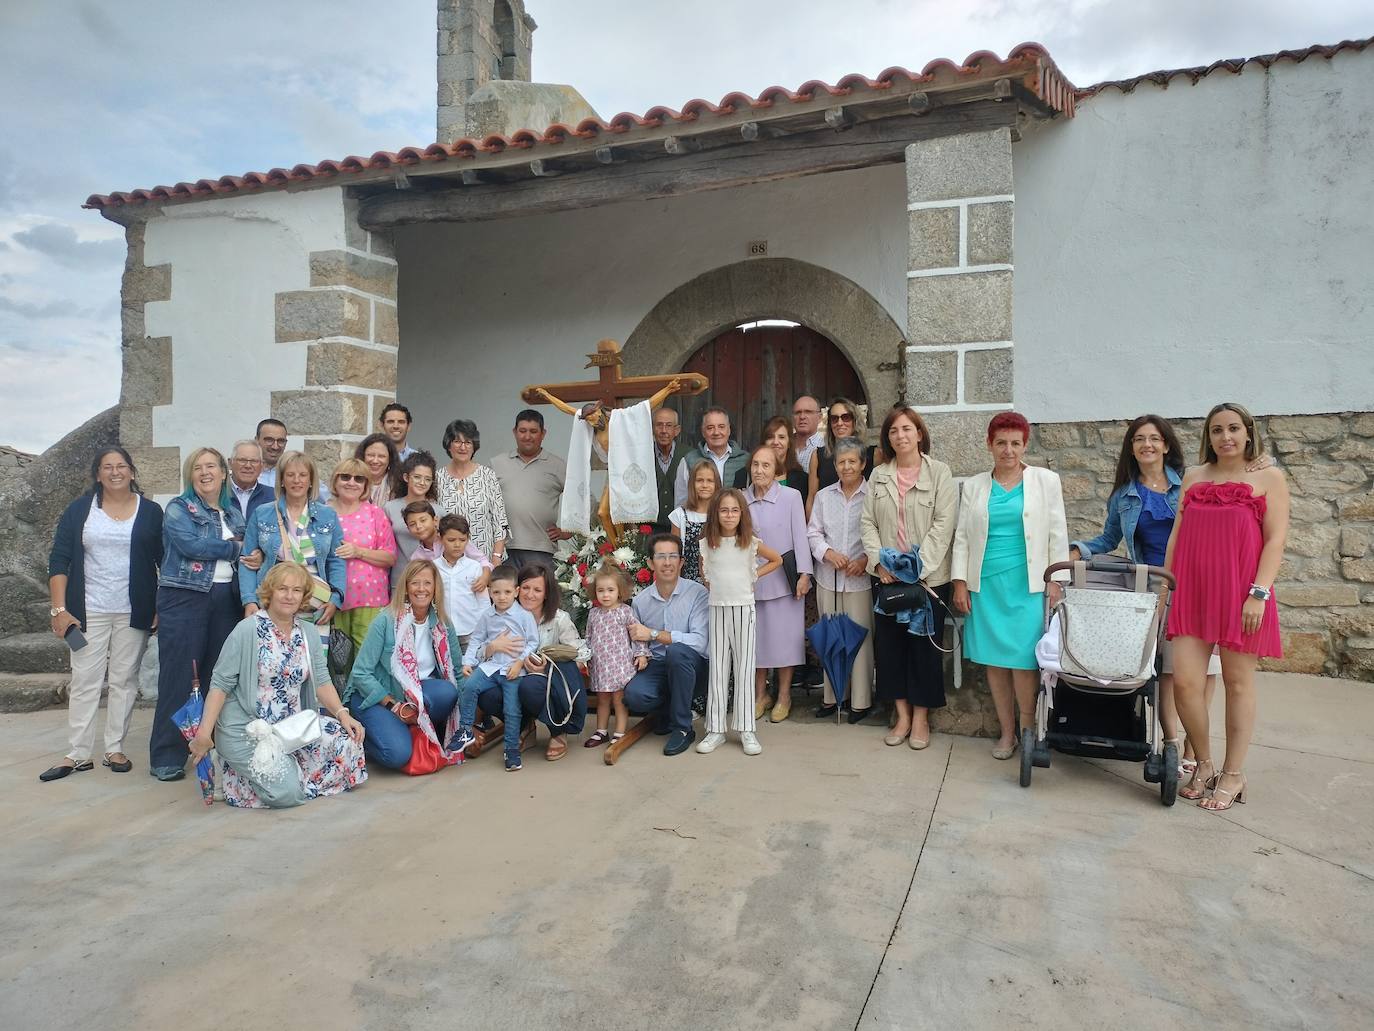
(484,71)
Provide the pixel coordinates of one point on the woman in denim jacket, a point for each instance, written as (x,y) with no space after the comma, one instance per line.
(314,536)
(1140,513)
(197,596)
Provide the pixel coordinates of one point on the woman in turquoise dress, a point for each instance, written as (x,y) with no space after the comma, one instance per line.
(1011,527)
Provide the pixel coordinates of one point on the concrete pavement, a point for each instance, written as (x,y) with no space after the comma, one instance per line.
(829,883)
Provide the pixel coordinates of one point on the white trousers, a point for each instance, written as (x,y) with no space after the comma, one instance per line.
(858,606)
(114,650)
(732,635)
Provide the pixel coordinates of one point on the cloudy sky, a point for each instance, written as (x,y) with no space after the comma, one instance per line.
(102,97)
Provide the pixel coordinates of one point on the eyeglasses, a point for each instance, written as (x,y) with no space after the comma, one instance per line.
(462,443)
(842,417)
(246,461)
(1147,440)
(666,556)
(114,468)
(351,478)
(268,441)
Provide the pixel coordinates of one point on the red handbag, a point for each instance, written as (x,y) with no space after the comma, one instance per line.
(425,755)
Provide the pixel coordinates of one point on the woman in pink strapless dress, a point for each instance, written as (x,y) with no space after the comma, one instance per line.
(1225,551)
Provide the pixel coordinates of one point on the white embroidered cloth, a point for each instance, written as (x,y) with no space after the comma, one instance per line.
(634,487)
(574,510)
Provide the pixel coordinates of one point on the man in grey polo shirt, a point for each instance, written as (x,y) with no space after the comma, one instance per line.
(532,487)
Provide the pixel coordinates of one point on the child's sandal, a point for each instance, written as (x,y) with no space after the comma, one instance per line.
(598,738)
(617,736)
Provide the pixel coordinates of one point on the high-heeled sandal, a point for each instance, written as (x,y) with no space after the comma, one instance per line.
(1232,797)
(1199,785)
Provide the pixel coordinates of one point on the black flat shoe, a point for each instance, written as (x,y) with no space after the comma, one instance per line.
(63,770)
(824,712)
(858,715)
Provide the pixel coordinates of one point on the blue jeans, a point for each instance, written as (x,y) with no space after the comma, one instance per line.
(470,690)
(387,742)
(670,684)
(191,627)
(532,690)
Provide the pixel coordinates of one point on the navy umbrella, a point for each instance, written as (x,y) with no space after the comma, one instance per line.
(837,640)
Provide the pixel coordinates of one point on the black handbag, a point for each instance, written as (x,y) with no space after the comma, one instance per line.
(339,653)
(893,598)
(789,569)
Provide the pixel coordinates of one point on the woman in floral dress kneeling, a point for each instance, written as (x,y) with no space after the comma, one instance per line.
(272,666)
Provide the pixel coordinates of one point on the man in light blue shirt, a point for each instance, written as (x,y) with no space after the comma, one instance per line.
(671,615)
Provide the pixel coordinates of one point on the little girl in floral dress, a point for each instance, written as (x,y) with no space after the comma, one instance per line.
(615,658)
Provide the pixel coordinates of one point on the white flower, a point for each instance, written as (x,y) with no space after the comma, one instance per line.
(623,555)
(564,551)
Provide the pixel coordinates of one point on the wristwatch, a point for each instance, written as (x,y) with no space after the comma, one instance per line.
(53,613)
(1262,593)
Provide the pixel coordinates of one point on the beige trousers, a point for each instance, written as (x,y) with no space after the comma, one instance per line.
(114,650)
(858,606)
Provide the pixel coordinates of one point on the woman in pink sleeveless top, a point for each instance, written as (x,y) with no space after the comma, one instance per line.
(1225,551)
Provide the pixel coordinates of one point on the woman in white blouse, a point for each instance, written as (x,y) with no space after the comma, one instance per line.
(835,533)
(473,491)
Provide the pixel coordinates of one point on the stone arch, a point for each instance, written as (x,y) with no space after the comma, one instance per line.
(505,17)
(782,288)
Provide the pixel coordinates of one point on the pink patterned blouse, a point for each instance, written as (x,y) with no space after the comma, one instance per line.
(369,586)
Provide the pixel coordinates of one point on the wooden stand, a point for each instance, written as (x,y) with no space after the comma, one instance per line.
(612,754)
(613,751)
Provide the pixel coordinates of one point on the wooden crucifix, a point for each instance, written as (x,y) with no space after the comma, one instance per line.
(605,393)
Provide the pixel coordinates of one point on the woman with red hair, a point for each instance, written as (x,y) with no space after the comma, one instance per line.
(1011,527)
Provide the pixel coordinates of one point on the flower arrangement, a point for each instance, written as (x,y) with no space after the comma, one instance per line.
(576,559)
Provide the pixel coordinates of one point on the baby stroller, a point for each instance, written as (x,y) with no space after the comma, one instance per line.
(1100,660)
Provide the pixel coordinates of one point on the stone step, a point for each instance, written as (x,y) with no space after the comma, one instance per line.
(29,692)
(34,653)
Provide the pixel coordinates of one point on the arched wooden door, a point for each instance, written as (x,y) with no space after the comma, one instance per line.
(757,373)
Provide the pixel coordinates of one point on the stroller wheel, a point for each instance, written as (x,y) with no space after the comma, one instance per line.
(1168,783)
(1027,755)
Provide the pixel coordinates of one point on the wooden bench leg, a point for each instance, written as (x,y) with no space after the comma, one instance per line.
(644,726)
(496,734)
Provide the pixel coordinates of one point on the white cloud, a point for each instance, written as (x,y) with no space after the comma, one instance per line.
(150,91)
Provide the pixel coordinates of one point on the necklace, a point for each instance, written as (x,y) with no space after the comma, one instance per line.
(1159,485)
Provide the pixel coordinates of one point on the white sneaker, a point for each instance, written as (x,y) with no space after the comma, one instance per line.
(750,741)
(710,743)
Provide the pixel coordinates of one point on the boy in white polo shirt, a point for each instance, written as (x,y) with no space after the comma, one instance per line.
(459,572)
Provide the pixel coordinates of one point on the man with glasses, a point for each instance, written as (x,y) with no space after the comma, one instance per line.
(668,455)
(671,616)
(271,438)
(806,434)
(245,465)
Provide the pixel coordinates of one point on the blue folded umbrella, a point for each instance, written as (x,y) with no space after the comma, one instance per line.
(837,640)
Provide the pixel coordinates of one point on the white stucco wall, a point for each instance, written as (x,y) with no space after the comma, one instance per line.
(1177,247)
(489,307)
(229,259)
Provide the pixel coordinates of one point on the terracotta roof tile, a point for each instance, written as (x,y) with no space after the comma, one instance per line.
(1029,60)
(1234,65)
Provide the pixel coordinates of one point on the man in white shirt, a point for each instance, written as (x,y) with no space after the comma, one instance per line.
(245,465)
(806,434)
(532,488)
(271,438)
(716,445)
(395,423)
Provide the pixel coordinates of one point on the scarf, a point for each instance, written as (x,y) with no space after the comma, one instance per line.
(634,487)
(574,511)
(405,670)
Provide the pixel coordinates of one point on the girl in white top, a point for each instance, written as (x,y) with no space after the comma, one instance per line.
(729,567)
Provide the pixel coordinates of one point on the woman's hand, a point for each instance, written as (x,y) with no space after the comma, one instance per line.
(505,644)
(346,550)
(480,584)
(535,661)
(856,567)
(803,585)
(355,730)
(1054,592)
(62,622)
(253,560)
(201,744)
(963,604)
(1262,462)
(885,575)
(1251,615)
(251,609)
(327,613)
(1075,555)
(834,558)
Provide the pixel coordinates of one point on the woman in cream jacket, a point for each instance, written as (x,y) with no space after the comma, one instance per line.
(910,503)
(1011,527)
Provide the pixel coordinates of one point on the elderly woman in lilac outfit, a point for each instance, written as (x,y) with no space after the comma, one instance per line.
(779,517)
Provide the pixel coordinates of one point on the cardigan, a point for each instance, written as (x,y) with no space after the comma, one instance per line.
(1047,533)
(236,674)
(371,679)
(930,514)
(68,558)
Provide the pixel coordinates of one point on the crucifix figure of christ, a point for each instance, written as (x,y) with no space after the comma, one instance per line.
(605,393)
